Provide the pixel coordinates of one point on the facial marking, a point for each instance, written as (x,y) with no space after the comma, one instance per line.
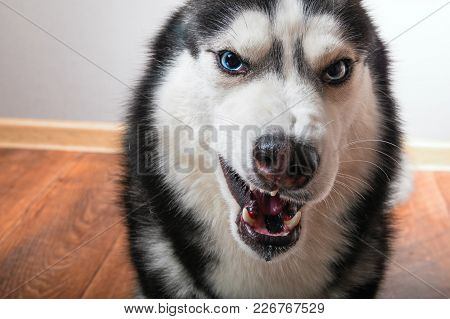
(321,37)
(289,19)
(305,37)
(289,25)
(250,34)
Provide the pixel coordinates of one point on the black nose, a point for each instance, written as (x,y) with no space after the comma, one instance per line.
(284,161)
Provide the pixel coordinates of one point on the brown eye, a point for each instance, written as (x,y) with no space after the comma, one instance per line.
(337,73)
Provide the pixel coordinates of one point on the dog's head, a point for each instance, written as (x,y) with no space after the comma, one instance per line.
(292,82)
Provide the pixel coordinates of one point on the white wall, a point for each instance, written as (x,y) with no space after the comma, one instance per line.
(41,78)
(421,63)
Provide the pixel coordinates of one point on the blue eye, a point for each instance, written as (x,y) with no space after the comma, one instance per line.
(231,62)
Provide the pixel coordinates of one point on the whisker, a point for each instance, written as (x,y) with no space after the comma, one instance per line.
(379,141)
(355,179)
(332,197)
(375,150)
(368,162)
(350,189)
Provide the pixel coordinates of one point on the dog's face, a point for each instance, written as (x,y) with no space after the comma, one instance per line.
(291,80)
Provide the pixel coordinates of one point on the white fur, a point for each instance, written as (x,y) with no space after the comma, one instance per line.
(249,33)
(323,36)
(404,185)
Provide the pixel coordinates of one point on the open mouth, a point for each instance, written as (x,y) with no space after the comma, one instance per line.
(267,223)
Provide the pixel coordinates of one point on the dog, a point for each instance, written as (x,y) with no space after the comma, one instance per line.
(262,153)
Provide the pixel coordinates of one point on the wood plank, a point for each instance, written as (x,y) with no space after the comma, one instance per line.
(421,260)
(116,278)
(426,213)
(26,176)
(443,182)
(65,236)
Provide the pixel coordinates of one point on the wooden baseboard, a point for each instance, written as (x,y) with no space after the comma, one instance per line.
(102,137)
(429,157)
(60,135)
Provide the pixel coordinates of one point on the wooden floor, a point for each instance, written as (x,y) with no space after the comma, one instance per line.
(61,234)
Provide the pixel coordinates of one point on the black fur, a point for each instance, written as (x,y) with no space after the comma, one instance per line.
(151,204)
(144,187)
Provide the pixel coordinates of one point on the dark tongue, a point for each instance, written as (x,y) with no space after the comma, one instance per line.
(268,205)
(274,224)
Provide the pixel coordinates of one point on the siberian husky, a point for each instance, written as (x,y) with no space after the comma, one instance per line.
(262,148)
